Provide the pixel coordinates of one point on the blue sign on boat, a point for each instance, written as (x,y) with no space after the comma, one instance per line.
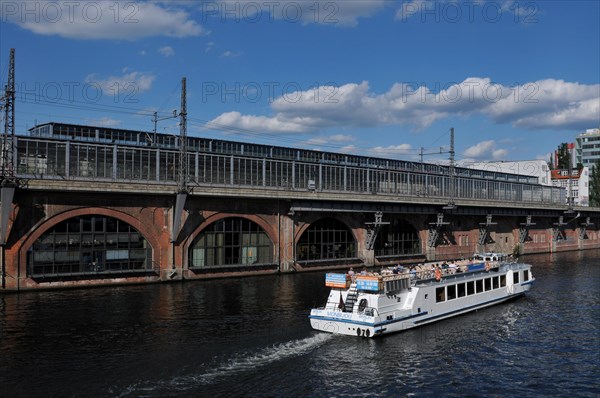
(371,285)
(335,280)
(476,267)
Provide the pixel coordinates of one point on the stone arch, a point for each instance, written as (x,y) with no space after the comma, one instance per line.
(326,238)
(47,224)
(254,243)
(129,222)
(398,238)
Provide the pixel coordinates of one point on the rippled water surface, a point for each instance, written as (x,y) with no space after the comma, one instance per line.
(251,337)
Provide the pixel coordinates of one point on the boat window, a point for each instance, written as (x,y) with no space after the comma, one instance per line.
(502,280)
(526,275)
(470,288)
(440,294)
(461,290)
(479,285)
(516,277)
(488,284)
(495,283)
(451,292)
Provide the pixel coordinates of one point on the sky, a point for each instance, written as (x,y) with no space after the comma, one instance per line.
(379,78)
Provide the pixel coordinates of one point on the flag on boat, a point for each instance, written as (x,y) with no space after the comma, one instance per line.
(341,305)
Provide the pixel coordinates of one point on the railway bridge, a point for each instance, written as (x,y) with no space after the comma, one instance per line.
(101,206)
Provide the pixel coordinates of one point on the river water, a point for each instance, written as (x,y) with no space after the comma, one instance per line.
(251,337)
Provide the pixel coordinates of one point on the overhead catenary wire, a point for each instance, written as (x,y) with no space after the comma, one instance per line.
(207,126)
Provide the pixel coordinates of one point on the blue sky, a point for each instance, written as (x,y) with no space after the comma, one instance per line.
(382,78)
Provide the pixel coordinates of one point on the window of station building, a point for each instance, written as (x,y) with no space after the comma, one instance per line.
(440,294)
(325,239)
(451,292)
(396,239)
(516,277)
(479,285)
(89,245)
(488,284)
(470,288)
(229,242)
(460,289)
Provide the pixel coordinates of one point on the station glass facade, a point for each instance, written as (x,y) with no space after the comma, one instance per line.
(326,239)
(231,242)
(91,244)
(396,239)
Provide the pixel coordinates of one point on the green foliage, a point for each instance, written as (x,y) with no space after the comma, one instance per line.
(595,185)
(564,162)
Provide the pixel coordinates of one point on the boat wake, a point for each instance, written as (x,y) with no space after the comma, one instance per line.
(235,365)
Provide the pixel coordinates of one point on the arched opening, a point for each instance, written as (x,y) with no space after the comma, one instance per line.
(231,242)
(326,239)
(398,238)
(91,244)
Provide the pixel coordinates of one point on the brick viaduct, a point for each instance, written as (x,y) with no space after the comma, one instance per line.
(284,216)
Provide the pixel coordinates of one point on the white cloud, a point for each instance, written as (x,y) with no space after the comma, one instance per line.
(348,149)
(325,12)
(499,154)
(480,149)
(235,121)
(316,141)
(544,104)
(128,84)
(101,19)
(230,54)
(105,122)
(408,9)
(166,51)
(402,149)
(341,138)
(485,150)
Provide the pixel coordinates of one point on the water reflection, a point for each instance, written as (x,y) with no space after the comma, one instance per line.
(251,337)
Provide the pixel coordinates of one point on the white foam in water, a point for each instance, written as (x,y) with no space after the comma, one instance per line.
(241,363)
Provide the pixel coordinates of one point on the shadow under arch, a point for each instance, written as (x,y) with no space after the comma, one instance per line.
(325,239)
(227,240)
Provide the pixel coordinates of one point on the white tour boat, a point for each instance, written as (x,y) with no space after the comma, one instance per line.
(370,305)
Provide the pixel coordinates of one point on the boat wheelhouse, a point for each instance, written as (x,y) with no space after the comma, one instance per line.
(370,305)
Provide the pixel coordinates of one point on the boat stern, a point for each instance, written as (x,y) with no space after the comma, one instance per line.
(339,322)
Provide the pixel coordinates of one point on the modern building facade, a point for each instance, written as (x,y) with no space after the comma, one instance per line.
(587,148)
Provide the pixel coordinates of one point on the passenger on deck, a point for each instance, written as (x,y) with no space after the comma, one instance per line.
(413,271)
(351,272)
(364,271)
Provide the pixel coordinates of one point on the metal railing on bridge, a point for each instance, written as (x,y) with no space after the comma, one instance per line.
(48,158)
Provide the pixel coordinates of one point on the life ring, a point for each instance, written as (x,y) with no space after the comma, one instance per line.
(438,274)
(487,266)
(362,305)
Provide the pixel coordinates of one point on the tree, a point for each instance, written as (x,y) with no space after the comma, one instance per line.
(595,185)
(564,157)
